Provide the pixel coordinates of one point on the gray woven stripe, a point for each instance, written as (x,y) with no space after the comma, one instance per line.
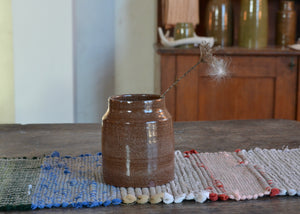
(15,177)
(282,167)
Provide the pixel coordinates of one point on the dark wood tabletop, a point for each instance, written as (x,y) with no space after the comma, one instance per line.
(73,139)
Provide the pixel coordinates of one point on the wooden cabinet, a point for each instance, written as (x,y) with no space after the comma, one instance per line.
(263,84)
(298,92)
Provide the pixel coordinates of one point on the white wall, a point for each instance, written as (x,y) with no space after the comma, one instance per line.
(71,55)
(135,35)
(114,52)
(7,107)
(94,57)
(43,61)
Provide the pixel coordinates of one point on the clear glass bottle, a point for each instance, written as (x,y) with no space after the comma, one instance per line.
(184,30)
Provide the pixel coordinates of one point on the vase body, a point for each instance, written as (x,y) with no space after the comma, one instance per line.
(253,32)
(182,31)
(137,141)
(286,24)
(218,21)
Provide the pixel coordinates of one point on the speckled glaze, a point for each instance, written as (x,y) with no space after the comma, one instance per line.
(286,24)
(137,141)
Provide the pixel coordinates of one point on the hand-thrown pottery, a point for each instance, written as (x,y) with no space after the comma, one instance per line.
(137,141)
(286,24)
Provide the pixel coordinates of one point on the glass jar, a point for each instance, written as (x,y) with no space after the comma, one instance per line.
(218,21)
(137,141)
(286,24)
(182,31)
(253,32)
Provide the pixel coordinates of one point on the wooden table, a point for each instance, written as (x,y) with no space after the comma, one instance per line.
(74,139)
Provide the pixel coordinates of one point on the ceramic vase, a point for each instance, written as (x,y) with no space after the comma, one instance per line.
(253,32)
(182,31)
(137,141)
(286,24)
(218,21)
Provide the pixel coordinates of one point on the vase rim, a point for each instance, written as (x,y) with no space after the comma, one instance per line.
(135,98)
(287,5)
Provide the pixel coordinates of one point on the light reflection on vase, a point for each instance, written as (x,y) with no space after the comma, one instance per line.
(137,141)
(182,31)
(218,21)
(253,32)
(286,24)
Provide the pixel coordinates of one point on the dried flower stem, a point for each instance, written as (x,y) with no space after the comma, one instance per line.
(178,79)
(218,68)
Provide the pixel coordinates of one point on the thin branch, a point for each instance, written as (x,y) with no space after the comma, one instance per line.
(186,73)
(218,67)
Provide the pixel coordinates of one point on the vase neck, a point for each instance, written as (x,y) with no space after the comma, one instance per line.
(287,5)
(136,101)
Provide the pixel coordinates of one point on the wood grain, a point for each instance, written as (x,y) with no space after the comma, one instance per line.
(74,139)
(250,66)
(259,87)
(210,136)
(187,89)
(168,76)
(286,88)
(263,205)
(229,51)
(236,98)
(297,6)
(298,90)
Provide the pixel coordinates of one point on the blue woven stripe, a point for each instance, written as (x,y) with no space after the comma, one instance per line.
(73,182)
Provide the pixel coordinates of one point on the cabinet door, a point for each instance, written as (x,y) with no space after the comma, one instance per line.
(187,89)
(286,88)
(167,77)
(259,88)
(298,104)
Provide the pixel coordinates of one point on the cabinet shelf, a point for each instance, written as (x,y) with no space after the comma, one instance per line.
(230,51)
(273,8)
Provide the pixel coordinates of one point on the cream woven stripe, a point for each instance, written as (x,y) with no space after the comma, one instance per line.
(238,181)
(262,161)
(281,166)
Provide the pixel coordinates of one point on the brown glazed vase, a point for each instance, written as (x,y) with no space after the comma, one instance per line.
(137,141)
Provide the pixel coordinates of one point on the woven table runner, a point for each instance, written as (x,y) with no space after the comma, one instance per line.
(77,181)
(18,177)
